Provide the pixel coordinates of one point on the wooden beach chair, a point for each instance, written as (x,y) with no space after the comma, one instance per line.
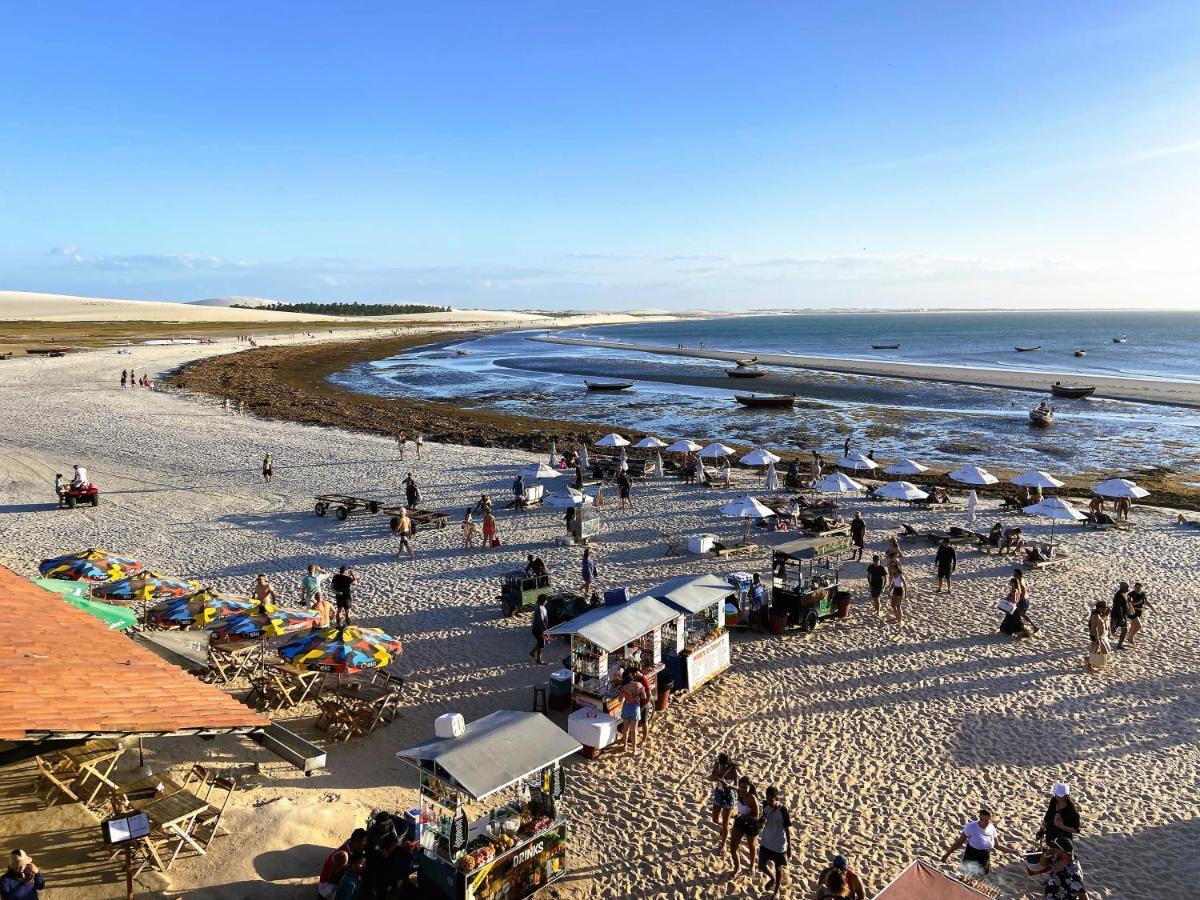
(673,542)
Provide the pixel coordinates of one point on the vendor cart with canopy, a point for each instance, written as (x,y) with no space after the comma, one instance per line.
(805,580)
(515,848)
(695,645)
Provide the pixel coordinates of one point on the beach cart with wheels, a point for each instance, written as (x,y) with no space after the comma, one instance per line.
(344,504)
(519,591)
(805,581)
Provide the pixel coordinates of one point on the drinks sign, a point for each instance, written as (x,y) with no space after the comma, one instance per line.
(458,834)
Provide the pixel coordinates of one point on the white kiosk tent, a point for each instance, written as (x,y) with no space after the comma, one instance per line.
(489,857)
(695,647)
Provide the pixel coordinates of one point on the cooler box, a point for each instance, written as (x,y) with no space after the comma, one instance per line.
(616,596)
(450,725)
(560,689)
(415,826)
(592,727)
(701,543)
(732,615)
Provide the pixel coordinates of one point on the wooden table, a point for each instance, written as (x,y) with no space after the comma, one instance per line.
(283,686)
(357,708)
(174,816)
(93,759)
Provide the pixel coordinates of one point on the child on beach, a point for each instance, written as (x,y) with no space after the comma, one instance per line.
(468,530)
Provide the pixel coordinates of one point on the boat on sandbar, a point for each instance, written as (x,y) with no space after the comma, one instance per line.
(608,385)
(1027,349)
(766,401)
(745,373)
(1072,391)
(1041,415)
(746,363)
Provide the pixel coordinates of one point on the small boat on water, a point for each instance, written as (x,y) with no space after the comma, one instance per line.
(462,352)
(885,346)
(1041,415)
(1027,349)
(746,363)
(745,373)
(47,351)
(608,385)
(766,401)
(1120,339)
(1072,391)
(1081,352)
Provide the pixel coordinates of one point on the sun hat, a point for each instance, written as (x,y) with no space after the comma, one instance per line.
(1061,790)
(20,859)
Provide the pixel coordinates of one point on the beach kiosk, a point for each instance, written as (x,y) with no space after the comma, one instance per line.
(471,850)
(696,645)
(805,581)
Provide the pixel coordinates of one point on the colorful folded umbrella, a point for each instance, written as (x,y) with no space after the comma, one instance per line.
(76,594)
(90,565)
(200,608)
(262,621)
(346,649)
(147,587)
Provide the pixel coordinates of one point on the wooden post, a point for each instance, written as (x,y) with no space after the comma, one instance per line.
(129,871)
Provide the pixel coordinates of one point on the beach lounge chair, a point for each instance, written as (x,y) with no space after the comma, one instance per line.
(908,533)
(673,542)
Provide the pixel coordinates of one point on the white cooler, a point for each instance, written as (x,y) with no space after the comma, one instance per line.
(592,727)
(701,543)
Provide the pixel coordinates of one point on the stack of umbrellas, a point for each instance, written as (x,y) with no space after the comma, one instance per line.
(196,610)
(90,565)
(349,648)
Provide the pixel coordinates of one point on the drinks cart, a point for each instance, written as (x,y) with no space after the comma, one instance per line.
(696,645)
(513,849)
(805,580)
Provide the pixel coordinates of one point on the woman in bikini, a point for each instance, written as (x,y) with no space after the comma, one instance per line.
(746,824)
(631,696)
(724,776)
(899,591)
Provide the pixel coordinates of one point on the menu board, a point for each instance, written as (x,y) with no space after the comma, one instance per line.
(523,871)
(707,662)
(458,834)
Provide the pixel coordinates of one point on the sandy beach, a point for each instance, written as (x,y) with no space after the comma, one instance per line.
(1141,390)
(883,739)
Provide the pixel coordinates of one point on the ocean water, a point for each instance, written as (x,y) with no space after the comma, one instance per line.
(937,423)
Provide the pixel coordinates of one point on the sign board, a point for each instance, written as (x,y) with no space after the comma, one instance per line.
(522,871)
(123,829)
(553,781)
(586,523)
(458,834)
(707,662)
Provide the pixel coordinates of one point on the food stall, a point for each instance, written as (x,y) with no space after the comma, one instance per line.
(513,849)
(805,581)
(603,640)
(696,645)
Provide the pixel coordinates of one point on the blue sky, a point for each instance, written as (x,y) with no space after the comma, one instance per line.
(612,156)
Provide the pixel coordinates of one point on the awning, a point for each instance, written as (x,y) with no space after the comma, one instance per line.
(692,593)
(612,627)
(923,882)
(186,649)
(814,548)
(496,751)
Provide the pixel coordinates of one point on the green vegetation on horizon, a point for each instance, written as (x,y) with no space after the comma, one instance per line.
(350,309)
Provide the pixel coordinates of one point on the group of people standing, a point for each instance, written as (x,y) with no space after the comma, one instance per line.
(130,379)
(1122,617)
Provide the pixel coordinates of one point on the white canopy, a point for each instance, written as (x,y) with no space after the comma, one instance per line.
(612,440)
(973,475)
(539,470)
(858,462)
(837,483)
(571,498)
(900,490)
(905,466)
(746,508)
(759,458)
(1120,487)
(612,627)
(1037,479)
(1055,508)
(692,593)
(715,449)
(683,445)
(649,443)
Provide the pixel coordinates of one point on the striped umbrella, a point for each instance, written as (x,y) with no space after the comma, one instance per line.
(197,609)
(147,587)
(90,565)
(346,649)
(263,621)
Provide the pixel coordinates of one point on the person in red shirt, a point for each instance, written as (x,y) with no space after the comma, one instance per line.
(338,861)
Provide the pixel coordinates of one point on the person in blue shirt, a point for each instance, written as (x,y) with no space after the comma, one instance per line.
(350,885)
(587,572)
(758,602)
(22,880)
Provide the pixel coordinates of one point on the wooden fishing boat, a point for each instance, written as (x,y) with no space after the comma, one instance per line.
(1120,339)
(1041,415)
(608,385)
(745,373)
(1072,391)
(766,401)
(746,363)
(1027,349)
(462,352)
(885,346)
(47,351)
(1081,353)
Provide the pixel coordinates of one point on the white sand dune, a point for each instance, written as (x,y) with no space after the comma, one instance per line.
(884,739)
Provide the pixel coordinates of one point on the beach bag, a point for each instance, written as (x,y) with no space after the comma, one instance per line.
(1006,606)
(495,542)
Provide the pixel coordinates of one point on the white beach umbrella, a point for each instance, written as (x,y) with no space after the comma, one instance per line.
(658,466)
(900,491)
(747,509)
(553,454)
(1120,488)
(759,458)
(683,445)
(584,462)
(772,478)
(858,462)
(612,440)
(649,443)
(905,466)
(837,483)
(1056,509)
(1037,479)
(972,503)
(973,475)
(622,461)
(701,471)
(715,450)
(539,470)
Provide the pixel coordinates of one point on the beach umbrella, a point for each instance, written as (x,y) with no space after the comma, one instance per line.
(683,445)
(553,454)
(701,471)
(759,458)
(905,466)
(972,502)
(622,462)
(900,491)
(346,649)
(571,498)
(1056,509)
(772,478)
(1119,488)
(534,471)
(262,621)
(612,440)
(858,462)
(584,463)
(1037,479)
(201,608)
(747,509)
(649,443)
(115,617)
(973,475)
(147,587)
(658,466)
(716,450)
(90,565)
(837,483)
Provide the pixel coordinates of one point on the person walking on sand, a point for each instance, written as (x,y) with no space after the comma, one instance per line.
(858,535)
(773,842)
(401,440)
(978,840)
(541,622)
(876,577)
(587,572)
(468,530)
(631,694)
(893,552)
(1118,616)
(22,879)
(746,825)
(846,449)
(1098,636)
(945,563)
(412,493)
(724,776)
(404,530)
(343,583)
(899,590)
(490,538)
(839,870)
(420,444)
(624,487)
(124,377)
(1138,606)
(1062,816)
(268,469)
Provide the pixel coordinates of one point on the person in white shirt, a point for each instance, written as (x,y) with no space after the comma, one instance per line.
(980,839)
(80,480)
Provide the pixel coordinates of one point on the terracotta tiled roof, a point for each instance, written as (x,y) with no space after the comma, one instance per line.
(64,673)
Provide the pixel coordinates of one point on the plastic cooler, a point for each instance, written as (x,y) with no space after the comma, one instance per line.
(560,689)
(592,727)
(701,543)
(415,826)
(616,596)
